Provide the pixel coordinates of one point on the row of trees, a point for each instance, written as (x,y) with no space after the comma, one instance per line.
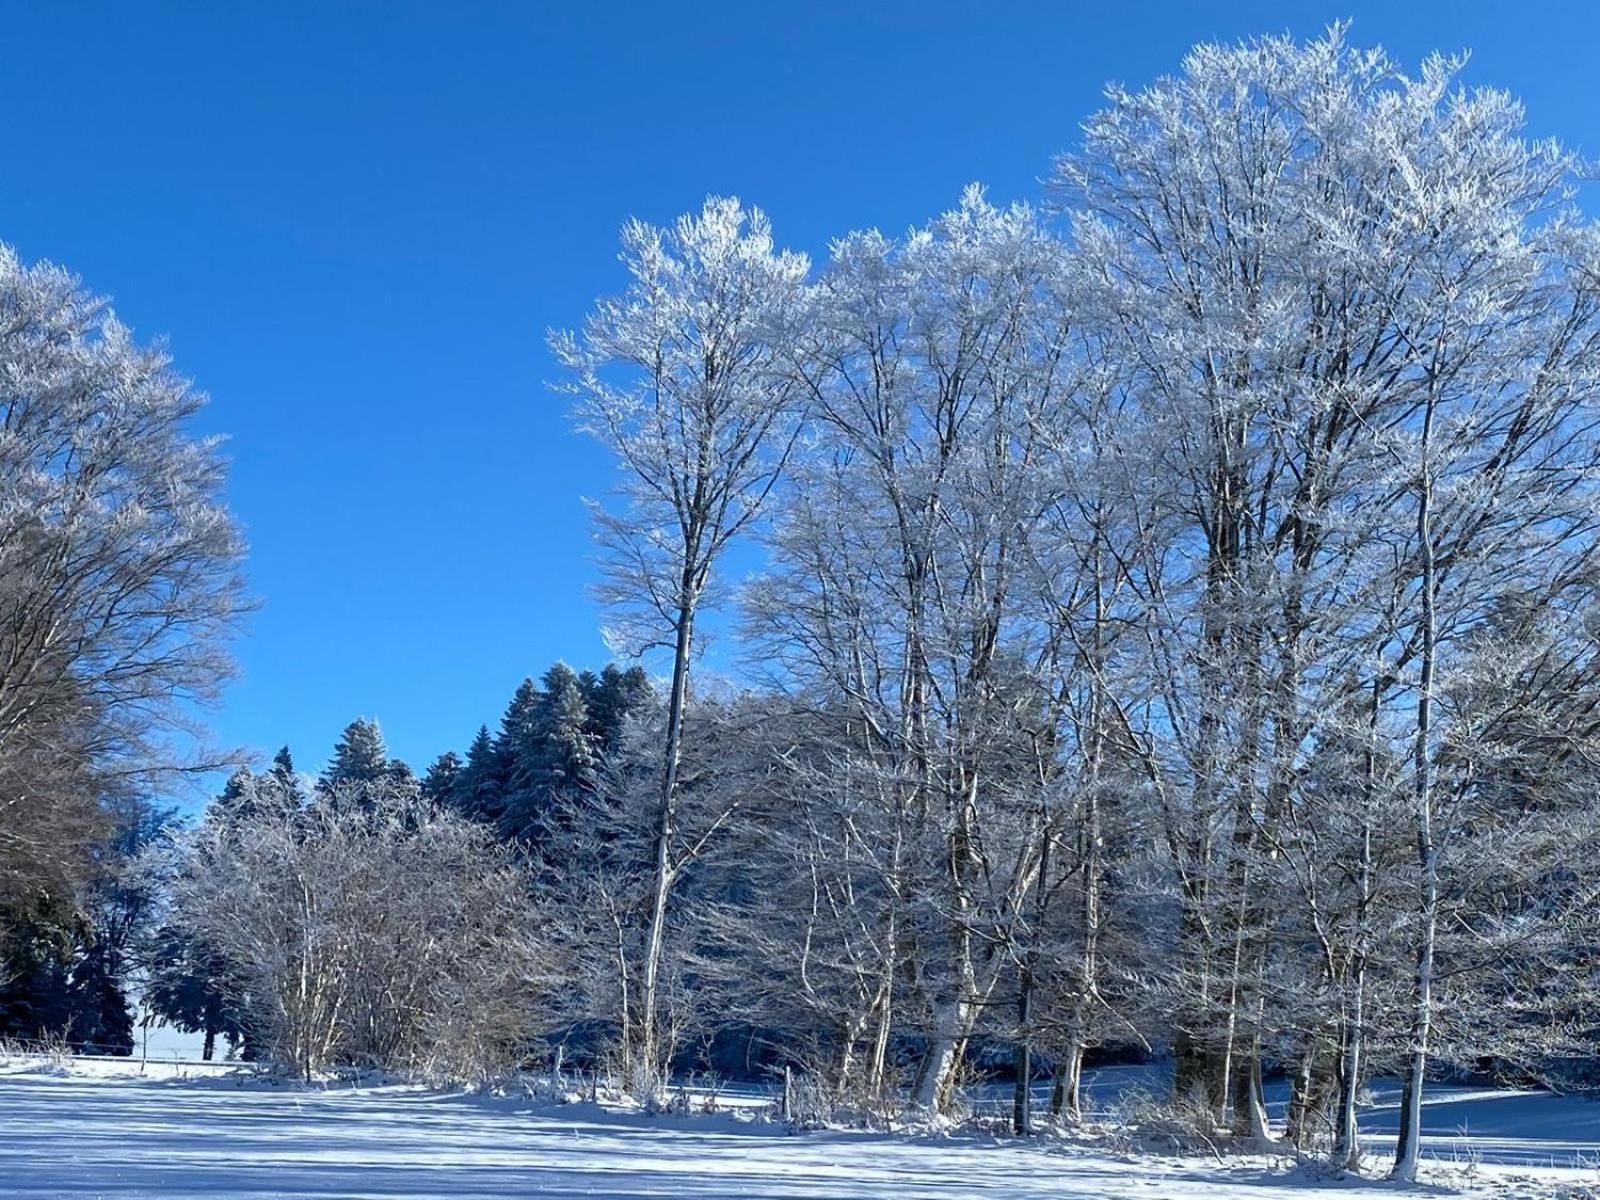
(550,744)
(1177,615)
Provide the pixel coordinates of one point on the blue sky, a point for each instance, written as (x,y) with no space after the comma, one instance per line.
(355,221)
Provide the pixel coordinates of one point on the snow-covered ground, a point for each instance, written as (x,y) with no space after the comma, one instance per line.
(103,1129)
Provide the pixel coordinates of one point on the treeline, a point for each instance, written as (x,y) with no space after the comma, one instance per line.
(550,743)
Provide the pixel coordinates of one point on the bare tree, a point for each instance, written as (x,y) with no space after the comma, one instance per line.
(686,380)
(118,574)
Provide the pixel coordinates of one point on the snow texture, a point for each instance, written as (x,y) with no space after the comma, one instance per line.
(108,1130)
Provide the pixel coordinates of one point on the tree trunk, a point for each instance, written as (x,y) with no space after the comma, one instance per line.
(878,1068)
(1409,1144)
(649,998)
(1315,1085)
(1353,1035)
(1249,1105)
(210,1045)
(953,1017)
(938,1061)
(1347,1133)
(1022,1099)
(1067,1097)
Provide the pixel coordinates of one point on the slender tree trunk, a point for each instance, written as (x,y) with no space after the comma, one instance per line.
(1022,1099)
(672,754)
(1347,1133)
(1297,1120)
(878,1068)
(1249,1103)
(1352,1059)
(1409,1144)
(845,1066)
(1070,1081)
(209,1047)
(953,1016)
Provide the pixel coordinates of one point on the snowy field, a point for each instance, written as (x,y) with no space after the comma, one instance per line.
(102,1129)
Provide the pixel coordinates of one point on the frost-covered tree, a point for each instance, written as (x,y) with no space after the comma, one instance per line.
(688,379)
(479,789)
(1177,621)
(610,699)
(555,756)
(119,578)
(1358,322)
(286,779)
(370,929)
(897,586)
(361,761)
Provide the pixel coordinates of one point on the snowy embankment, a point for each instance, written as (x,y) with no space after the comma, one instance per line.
(107,1129)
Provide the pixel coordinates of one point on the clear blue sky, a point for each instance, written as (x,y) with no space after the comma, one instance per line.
(355,221)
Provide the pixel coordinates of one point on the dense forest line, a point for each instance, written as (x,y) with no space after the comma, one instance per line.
(1175,630)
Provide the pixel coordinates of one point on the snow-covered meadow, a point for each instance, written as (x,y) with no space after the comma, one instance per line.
(113,1130)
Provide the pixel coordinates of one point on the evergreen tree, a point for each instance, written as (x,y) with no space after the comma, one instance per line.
(189,988)
(611,697)
(239,798)
(517,757)
(359,757)
(102,1020)
(444,776)
(478,790)
(566,748)
(361,761)
(556,757)
(286,779)
(517,730)
(35,961)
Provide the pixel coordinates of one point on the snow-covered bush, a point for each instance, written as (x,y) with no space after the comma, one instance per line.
(369,930)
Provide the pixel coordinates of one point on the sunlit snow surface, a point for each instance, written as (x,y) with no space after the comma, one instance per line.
(102,1129)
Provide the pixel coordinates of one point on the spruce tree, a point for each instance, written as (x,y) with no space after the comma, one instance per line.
(556,756)
(567,752)
(611,698)
(359,757)
(361,762)
(286,777)
(239,798)
(516,734)
(479,791)
(444,775)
